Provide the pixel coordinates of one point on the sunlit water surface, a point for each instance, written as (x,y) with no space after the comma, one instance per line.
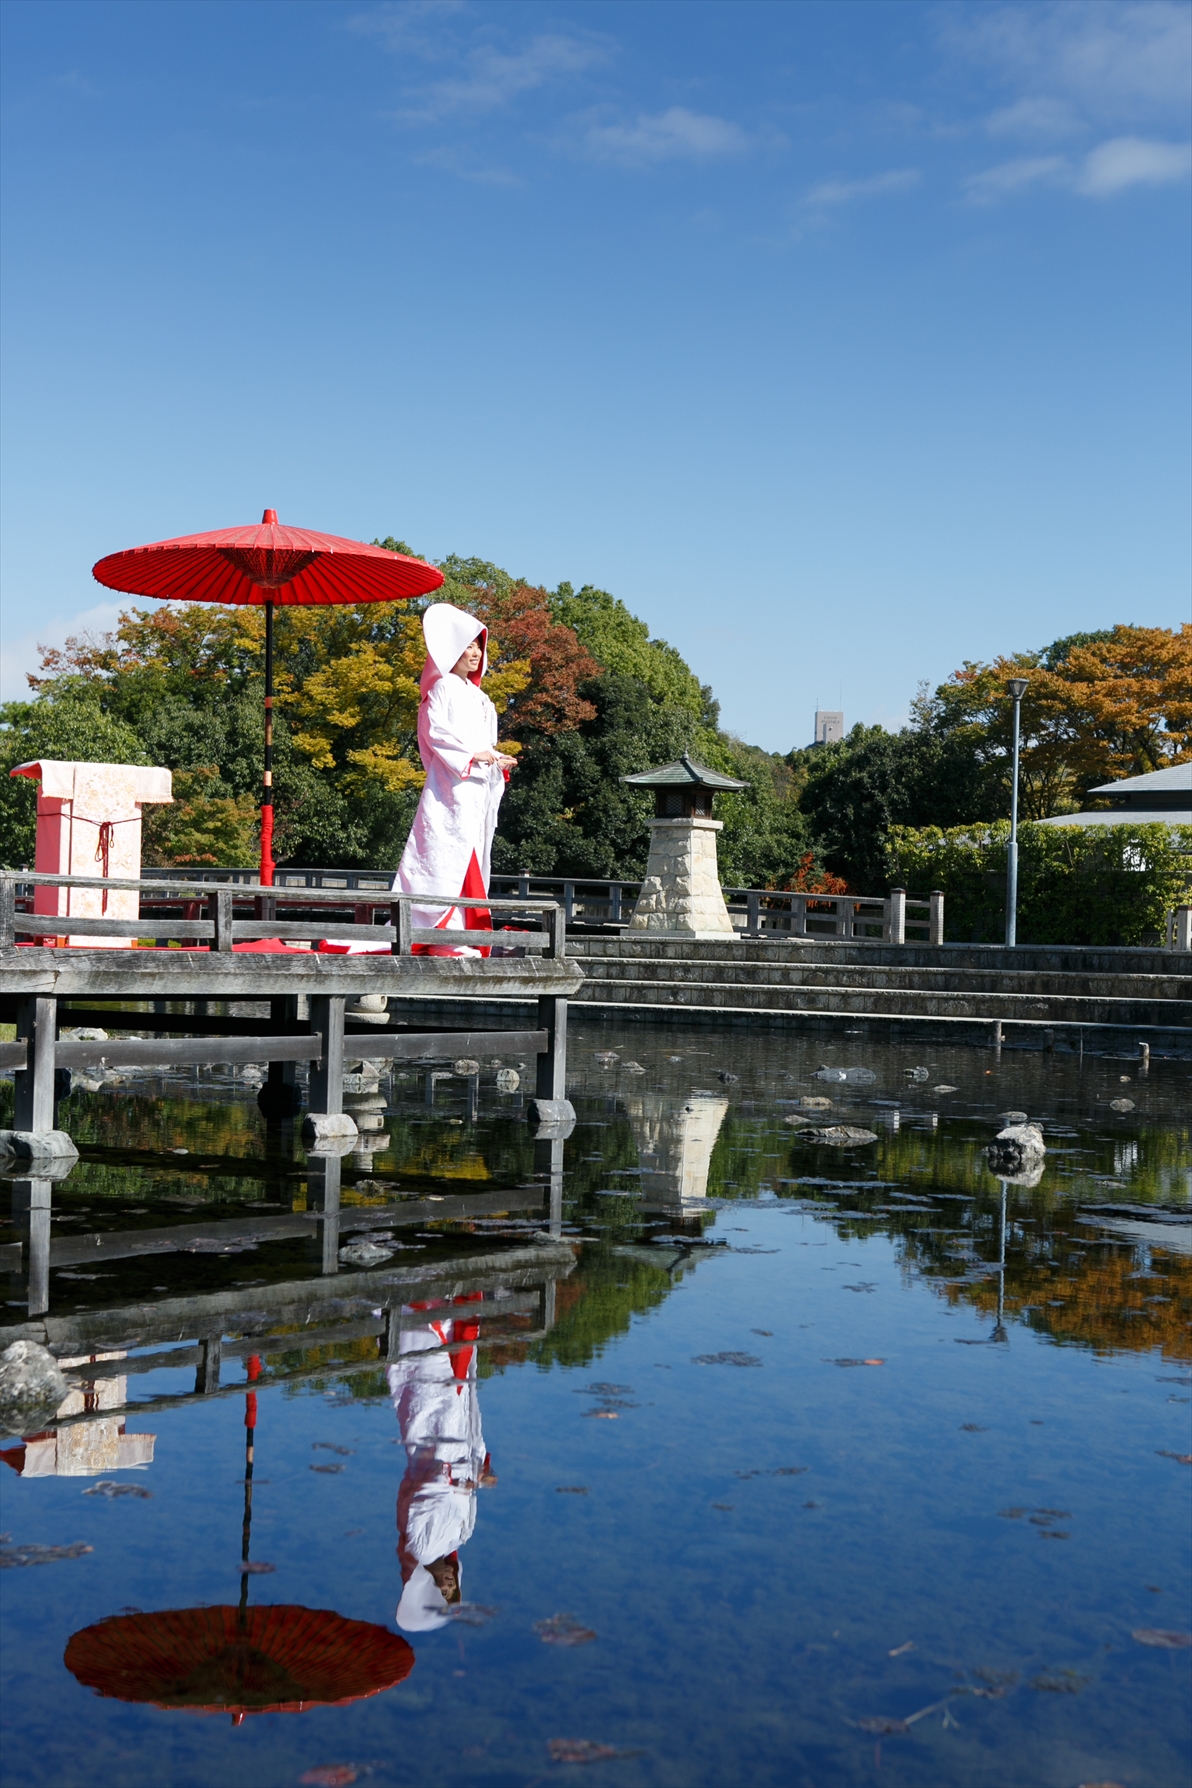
(821,1437)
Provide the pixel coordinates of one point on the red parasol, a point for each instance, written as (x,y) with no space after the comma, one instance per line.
(266,565)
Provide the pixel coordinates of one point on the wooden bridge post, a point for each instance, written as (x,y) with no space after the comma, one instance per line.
(323,1176)
(207,1370)
(37,1023)
(551,1080)
(326,1116)
(31,1208)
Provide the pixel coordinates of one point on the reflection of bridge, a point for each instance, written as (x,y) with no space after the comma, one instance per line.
(355,1322)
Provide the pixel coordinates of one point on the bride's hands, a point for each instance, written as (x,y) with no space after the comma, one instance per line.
(500,758)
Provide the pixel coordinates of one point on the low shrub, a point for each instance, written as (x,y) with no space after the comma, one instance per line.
(1076,884)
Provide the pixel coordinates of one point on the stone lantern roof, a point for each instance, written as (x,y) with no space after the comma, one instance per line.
(686,774)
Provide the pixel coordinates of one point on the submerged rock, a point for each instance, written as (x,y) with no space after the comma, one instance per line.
(847,1076)
(838,1136)
(1017,1149)
(365,1254)
(32,1386)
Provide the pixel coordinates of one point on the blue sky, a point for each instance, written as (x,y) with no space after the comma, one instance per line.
(842,341)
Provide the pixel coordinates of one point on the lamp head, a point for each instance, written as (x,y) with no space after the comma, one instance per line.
(1017,687)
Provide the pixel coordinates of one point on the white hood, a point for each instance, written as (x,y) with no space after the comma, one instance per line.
(448,633)
(422,1608)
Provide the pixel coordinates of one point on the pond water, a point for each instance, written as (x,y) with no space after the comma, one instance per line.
(799,1464)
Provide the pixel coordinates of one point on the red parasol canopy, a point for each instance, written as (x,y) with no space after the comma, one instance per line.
(265,565)
(275,1659)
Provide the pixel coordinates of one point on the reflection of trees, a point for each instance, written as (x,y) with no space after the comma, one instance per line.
(593,1306)
(1097,1299)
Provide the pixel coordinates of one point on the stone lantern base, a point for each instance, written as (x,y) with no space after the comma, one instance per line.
(680,896)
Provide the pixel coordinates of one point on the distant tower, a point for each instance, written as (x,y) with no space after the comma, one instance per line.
(829,726)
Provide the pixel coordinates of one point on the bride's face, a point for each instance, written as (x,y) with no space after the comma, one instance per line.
(468,660)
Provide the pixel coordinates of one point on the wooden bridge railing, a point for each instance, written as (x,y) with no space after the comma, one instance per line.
(168,912)
(590,903)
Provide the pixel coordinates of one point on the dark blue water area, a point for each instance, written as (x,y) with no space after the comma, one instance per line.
(792,1492)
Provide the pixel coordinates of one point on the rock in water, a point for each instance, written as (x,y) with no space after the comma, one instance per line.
(465,1066)
(31,1387)
(837,1136)
(365,1254)
(846,1076)
(1017,1148)
(508,1080)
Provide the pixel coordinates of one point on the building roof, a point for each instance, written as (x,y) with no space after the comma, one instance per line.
(1125,816)
(1156,782)
(684,774)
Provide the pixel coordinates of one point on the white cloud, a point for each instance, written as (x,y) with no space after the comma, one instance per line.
(1110,168)
(409,27)
(451,160)
(1012,176)
(493,78)
(673,135)
(1036,117)
(842,192)
(1131,161)
(1114,59)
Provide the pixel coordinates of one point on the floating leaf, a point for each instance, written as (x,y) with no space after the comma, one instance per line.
(472,1614)
(1164,1640)
(563,1629)
(255,1568)
(329,1446)
(1058,1682)
(329,1469)
(580,1750)
(725,1359)
(109,1487)
(571,1489)
(330,1775)
(14,1557)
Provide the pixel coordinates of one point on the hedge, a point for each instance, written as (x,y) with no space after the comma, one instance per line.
(1076,884)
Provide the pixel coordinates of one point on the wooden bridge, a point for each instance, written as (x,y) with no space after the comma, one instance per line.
(206,948)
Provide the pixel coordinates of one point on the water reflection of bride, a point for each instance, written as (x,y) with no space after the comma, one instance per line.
(434,1390)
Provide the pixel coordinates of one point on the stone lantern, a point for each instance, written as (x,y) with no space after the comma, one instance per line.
(680,896)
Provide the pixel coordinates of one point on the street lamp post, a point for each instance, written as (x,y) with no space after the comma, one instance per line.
(1017,688)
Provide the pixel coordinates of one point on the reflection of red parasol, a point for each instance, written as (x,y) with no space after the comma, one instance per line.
(278,1659)
(266,565)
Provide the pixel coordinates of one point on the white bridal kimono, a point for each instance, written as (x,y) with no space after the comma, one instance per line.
(434,1395)
(449,850)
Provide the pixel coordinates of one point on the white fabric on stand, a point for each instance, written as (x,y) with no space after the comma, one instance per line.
(457,814)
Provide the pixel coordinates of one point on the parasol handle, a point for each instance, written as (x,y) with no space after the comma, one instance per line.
(250,1425)
(267,790)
